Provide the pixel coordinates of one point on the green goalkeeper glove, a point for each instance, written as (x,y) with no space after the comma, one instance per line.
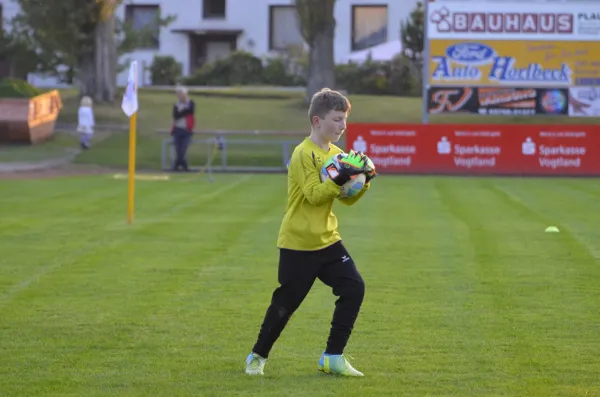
(369,167)
(342,170)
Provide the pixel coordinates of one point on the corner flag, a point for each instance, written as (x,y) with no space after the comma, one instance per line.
(130,108)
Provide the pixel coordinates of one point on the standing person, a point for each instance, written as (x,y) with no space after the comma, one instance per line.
(309,243)
(85,121)
(183,125)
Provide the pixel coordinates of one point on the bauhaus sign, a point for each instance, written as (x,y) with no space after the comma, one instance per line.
(521,20)
(514,63)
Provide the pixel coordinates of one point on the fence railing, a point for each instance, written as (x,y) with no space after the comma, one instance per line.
(237,150)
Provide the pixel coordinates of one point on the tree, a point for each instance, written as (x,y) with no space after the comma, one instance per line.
(412,36)
(412,33)
(82,35)
(317,25)
(18,52)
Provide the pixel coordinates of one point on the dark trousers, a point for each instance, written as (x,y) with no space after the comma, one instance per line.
(181,141)
(298,271)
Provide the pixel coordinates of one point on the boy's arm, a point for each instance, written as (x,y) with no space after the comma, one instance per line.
(305,173)
(353,200)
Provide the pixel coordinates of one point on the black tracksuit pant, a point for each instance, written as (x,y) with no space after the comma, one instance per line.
(298,271)
(181,141)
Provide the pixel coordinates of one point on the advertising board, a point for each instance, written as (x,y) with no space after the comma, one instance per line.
(584,101)
(514,63)
(479,149)
(498,101)
(576,21)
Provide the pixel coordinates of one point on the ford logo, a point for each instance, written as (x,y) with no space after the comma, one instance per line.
(470,53)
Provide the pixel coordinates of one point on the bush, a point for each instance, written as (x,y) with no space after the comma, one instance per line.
(399,81)
(396,77)
(275,73)
(243,68)
(368,78)
(17,88)
(239,68)
(279,71)
(165,70)
(213,73)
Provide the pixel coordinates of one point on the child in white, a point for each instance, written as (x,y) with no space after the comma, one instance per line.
(85,125)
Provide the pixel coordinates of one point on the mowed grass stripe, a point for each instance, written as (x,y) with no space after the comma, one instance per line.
(565,204)
(169,200)
(434,283)
(52,228)
(50,223)
(490,336)
(524,285)
(42,230)
(590,186)
(31,204)
(432,290)
(573,285)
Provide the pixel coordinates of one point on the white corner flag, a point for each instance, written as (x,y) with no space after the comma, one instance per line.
(130,100)
(130,107)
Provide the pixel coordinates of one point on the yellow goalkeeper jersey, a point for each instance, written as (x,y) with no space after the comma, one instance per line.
(309,223)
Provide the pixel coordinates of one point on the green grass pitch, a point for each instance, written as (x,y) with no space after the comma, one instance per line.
(466,295)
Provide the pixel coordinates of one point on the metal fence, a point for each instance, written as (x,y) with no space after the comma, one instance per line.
(231,154)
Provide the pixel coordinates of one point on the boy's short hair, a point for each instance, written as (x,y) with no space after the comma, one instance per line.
(325,101)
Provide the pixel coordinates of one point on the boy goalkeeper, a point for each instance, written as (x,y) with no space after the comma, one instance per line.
(309,242)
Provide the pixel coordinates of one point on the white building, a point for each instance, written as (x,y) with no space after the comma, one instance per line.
(205,30)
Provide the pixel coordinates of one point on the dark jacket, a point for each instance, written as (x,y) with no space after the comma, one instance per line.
(188,113)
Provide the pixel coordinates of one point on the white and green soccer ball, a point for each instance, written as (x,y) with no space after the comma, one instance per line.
(330,169)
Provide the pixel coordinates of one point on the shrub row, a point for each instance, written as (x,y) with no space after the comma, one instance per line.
(397,77)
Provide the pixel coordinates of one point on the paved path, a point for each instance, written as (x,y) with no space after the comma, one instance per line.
(38,165)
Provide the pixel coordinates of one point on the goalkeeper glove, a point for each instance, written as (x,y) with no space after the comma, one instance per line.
(342,170)
(370,172)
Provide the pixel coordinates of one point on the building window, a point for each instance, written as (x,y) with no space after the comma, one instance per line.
(284,28)
(144,17)
(214,9)
(369,26)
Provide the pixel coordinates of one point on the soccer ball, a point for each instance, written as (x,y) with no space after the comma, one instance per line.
(350,188)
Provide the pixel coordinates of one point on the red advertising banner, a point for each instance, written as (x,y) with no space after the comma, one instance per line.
(478,148)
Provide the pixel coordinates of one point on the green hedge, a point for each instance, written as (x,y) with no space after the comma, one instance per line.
(17,88)
(396,77)
(379,78)
(243,68)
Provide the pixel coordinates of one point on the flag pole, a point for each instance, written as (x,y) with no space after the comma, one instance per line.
(130,108)
(131,184)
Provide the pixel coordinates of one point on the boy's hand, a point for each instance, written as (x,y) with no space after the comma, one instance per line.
(341,172)
(369,167)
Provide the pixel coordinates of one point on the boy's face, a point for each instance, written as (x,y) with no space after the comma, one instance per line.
(332,126)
